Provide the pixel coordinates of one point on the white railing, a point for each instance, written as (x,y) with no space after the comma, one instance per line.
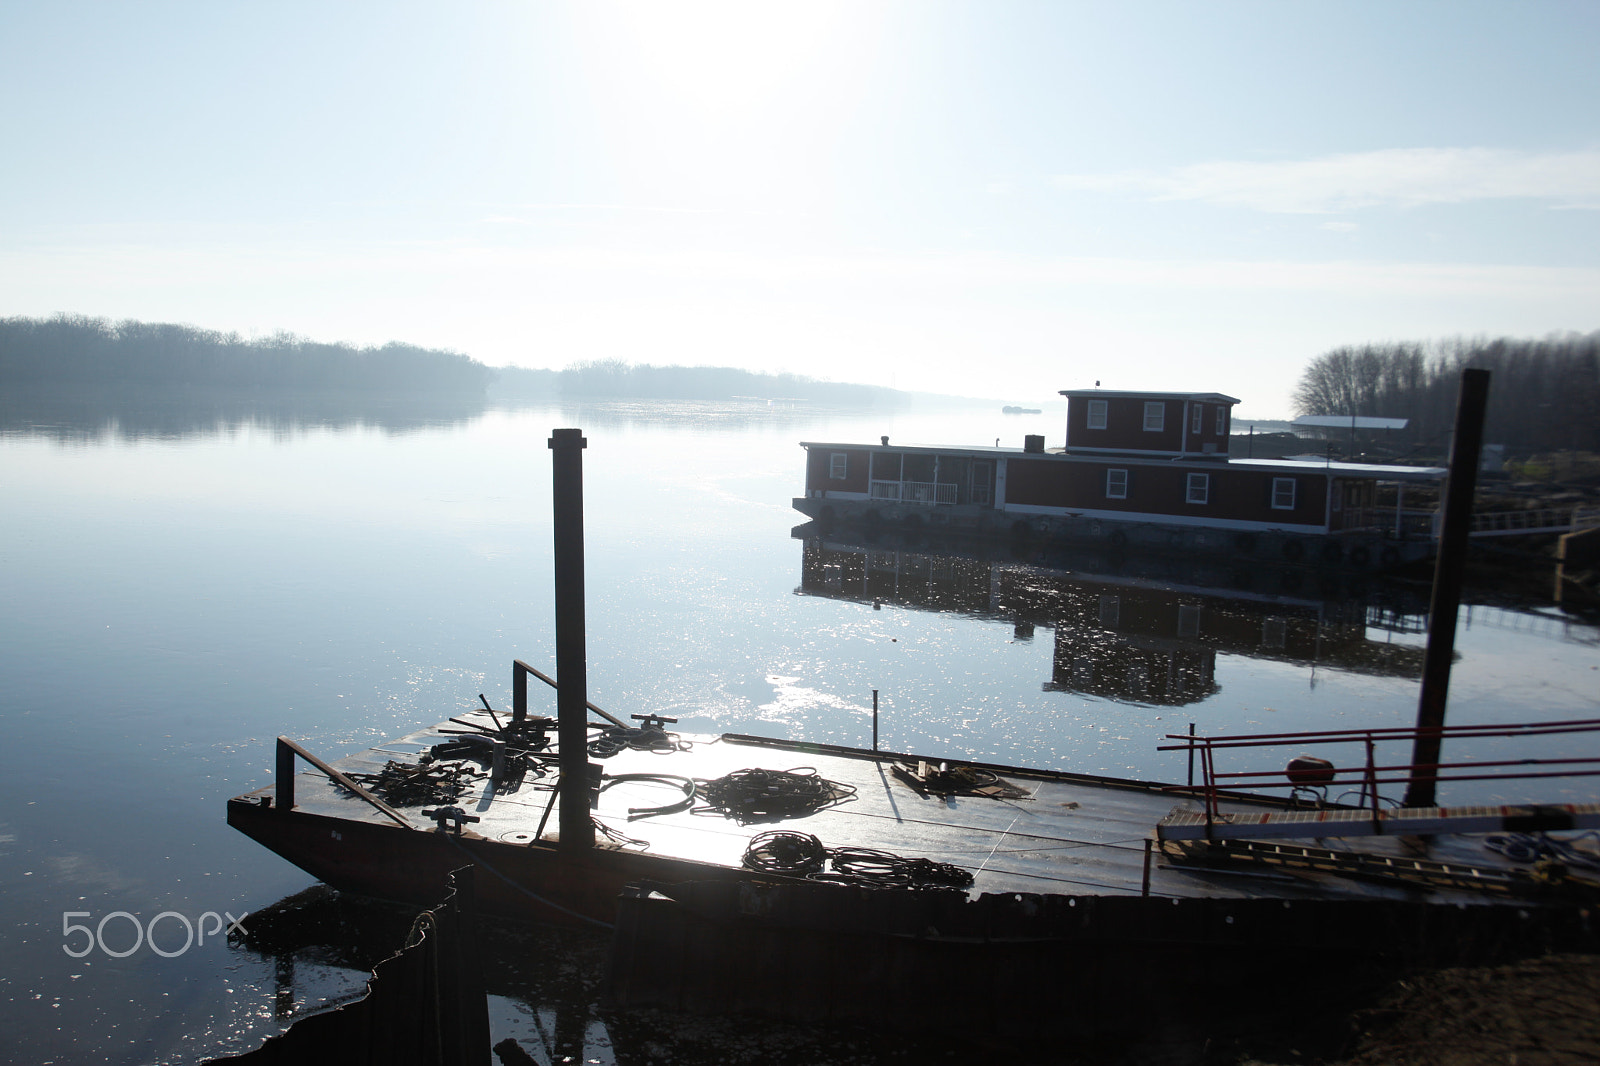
(1483,524)
(1418,523)
(913,491)
(1543,520)
(926,492)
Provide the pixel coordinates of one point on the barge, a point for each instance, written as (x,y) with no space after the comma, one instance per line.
(824,882)
(1138,471)
(1098,899)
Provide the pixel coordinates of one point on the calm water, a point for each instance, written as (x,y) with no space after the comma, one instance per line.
(179,591)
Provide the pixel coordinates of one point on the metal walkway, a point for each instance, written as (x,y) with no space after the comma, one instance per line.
(1401,821)
(1523,523)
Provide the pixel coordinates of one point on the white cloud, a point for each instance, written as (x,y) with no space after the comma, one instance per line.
(1396,177)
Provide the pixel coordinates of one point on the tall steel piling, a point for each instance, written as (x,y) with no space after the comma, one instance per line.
(1448,570)
(572,693)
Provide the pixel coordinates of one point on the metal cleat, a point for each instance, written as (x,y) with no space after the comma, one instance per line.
(454,815)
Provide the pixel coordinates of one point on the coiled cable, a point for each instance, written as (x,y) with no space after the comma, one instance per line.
(758,794)
(803,855)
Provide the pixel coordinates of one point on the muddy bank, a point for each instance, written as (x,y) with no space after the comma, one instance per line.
(1538,1012)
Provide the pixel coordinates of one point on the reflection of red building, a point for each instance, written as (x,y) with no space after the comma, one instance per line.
(1145,469)
(1115,638)
(1098,662)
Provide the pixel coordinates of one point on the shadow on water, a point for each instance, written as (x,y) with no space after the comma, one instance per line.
(547,990)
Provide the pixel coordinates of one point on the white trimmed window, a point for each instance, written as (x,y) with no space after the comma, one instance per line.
(1155,417)
(1116,484)
(1222,419)
(1097,414)
(1197,415)
(1199,488)
(1283,493)
(838,464)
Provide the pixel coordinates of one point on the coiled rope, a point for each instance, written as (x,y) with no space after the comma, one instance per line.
(618,738)
(803,855)
(1527,848)
(755,795)
(685,783)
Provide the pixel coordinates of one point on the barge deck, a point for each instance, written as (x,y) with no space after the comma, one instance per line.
(1046,833)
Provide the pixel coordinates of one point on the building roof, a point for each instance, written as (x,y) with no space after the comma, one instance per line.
(1310,464)
(1381,471)
(1119,394)
(942,449)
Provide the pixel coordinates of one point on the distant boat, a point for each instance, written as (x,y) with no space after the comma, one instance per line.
(1011,409)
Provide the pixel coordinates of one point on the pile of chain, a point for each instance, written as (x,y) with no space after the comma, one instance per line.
(651,738)
(404,784)
(758,795)
(803,855)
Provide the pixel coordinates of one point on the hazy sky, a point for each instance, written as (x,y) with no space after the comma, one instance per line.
(998,198)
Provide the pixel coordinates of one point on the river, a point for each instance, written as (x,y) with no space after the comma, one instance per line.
(179,588)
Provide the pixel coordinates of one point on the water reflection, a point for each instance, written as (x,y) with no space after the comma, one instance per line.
(1123,634)
(127,413)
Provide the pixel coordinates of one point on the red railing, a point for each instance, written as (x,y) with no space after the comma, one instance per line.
(1366,777)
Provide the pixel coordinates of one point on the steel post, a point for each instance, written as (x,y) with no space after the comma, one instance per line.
(1455,520)
(577,830)
(519,691)
(283,797)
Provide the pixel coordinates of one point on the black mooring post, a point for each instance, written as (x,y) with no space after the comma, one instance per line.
(874,719)
(283,796)
(572,695)
(1451,563)
(519,690)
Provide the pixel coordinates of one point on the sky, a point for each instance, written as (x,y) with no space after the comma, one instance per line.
(997,198)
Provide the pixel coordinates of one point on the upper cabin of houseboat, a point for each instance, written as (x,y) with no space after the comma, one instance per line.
(1172,425)
(1138,468)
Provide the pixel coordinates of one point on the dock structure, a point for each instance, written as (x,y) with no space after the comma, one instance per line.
(732,870)
(1097,897)
(1041,832)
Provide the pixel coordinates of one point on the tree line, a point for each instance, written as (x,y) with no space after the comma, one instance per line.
(79,352)
(614,379)
(1544,395)
(76,350)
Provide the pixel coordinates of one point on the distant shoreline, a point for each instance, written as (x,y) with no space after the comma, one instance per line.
(103,359)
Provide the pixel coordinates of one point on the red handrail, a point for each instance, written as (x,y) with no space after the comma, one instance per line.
(1330,736)
(1371,775)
